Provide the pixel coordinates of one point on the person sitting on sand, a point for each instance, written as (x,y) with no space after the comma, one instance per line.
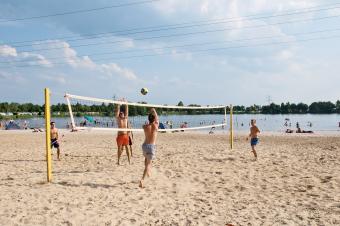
(212,130)
(289,131)
(149,145)
(122,136)
(303,131)
(54,139)
(183,126)
(253,135)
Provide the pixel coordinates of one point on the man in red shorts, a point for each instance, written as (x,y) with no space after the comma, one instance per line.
(122,136)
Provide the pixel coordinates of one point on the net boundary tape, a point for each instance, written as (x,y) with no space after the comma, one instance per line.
(141,130)
(139,104)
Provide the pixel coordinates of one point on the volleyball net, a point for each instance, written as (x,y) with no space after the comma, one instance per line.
(89,113)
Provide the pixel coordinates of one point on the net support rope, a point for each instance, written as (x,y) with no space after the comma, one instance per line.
(107,101)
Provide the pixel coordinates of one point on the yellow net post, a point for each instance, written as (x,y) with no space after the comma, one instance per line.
(48,134)
(231,139)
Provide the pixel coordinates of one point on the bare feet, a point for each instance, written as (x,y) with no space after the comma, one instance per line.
(141,185)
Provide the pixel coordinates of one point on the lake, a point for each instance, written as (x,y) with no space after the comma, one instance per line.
(315,122)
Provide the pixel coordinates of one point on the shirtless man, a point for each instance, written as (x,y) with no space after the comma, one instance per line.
(54,139)
(253,136)
(122,136)
(149,145)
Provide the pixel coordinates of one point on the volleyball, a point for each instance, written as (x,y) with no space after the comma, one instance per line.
(144,91)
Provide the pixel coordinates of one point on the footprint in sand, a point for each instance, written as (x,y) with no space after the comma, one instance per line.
(326,179)
(168,173)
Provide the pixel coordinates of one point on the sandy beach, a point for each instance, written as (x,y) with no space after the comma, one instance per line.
(196,180)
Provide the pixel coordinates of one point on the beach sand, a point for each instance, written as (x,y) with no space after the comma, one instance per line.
(196,180)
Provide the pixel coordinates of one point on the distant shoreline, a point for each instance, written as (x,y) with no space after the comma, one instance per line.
(23,116)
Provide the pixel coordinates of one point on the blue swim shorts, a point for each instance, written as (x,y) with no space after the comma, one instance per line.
(254,141)
(149,151)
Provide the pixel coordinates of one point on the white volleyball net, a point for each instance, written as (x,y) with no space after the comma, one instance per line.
(88,113)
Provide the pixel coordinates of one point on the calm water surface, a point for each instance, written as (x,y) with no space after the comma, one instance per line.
(328,122)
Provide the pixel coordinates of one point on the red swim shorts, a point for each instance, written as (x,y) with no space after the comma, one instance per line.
(122,139)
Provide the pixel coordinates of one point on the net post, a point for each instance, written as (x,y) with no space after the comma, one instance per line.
(73,126)
(231,139)
(48,134)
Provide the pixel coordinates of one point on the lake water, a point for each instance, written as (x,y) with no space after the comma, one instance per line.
(325,122)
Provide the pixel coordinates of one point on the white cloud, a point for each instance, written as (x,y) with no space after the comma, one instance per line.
(71,58)
(54,78)
(334,12)
(235,10)
(35,59)
(8,51)
(285,54)
(113,68)
(128,43)
(68,55)
(230,8)
(4,75)
(181,54)
(11,77)
(23,58)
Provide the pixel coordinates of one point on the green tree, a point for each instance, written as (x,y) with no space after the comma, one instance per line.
(302,108)
(322,107)
(337,106)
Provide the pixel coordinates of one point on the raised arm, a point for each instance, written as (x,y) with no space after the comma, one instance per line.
(154,112)
(117,111)
(126,111)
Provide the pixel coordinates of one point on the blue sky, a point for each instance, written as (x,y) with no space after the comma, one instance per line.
(245,71)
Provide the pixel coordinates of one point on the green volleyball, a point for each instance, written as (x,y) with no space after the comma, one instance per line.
(144,91)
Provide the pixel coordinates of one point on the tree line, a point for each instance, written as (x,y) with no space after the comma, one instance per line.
(109,109)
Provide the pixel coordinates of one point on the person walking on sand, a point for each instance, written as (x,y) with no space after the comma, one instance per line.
(122,136)
(253,136)
(54,139)
(149,145)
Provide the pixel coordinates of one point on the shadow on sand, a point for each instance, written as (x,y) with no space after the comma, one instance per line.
(20,160)
(91,185)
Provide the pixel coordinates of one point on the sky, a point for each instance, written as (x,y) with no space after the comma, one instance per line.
(207,52)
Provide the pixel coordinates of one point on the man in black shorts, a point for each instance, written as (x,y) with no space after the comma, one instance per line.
(54,139)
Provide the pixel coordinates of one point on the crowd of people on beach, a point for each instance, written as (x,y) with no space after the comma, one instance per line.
(13,125)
